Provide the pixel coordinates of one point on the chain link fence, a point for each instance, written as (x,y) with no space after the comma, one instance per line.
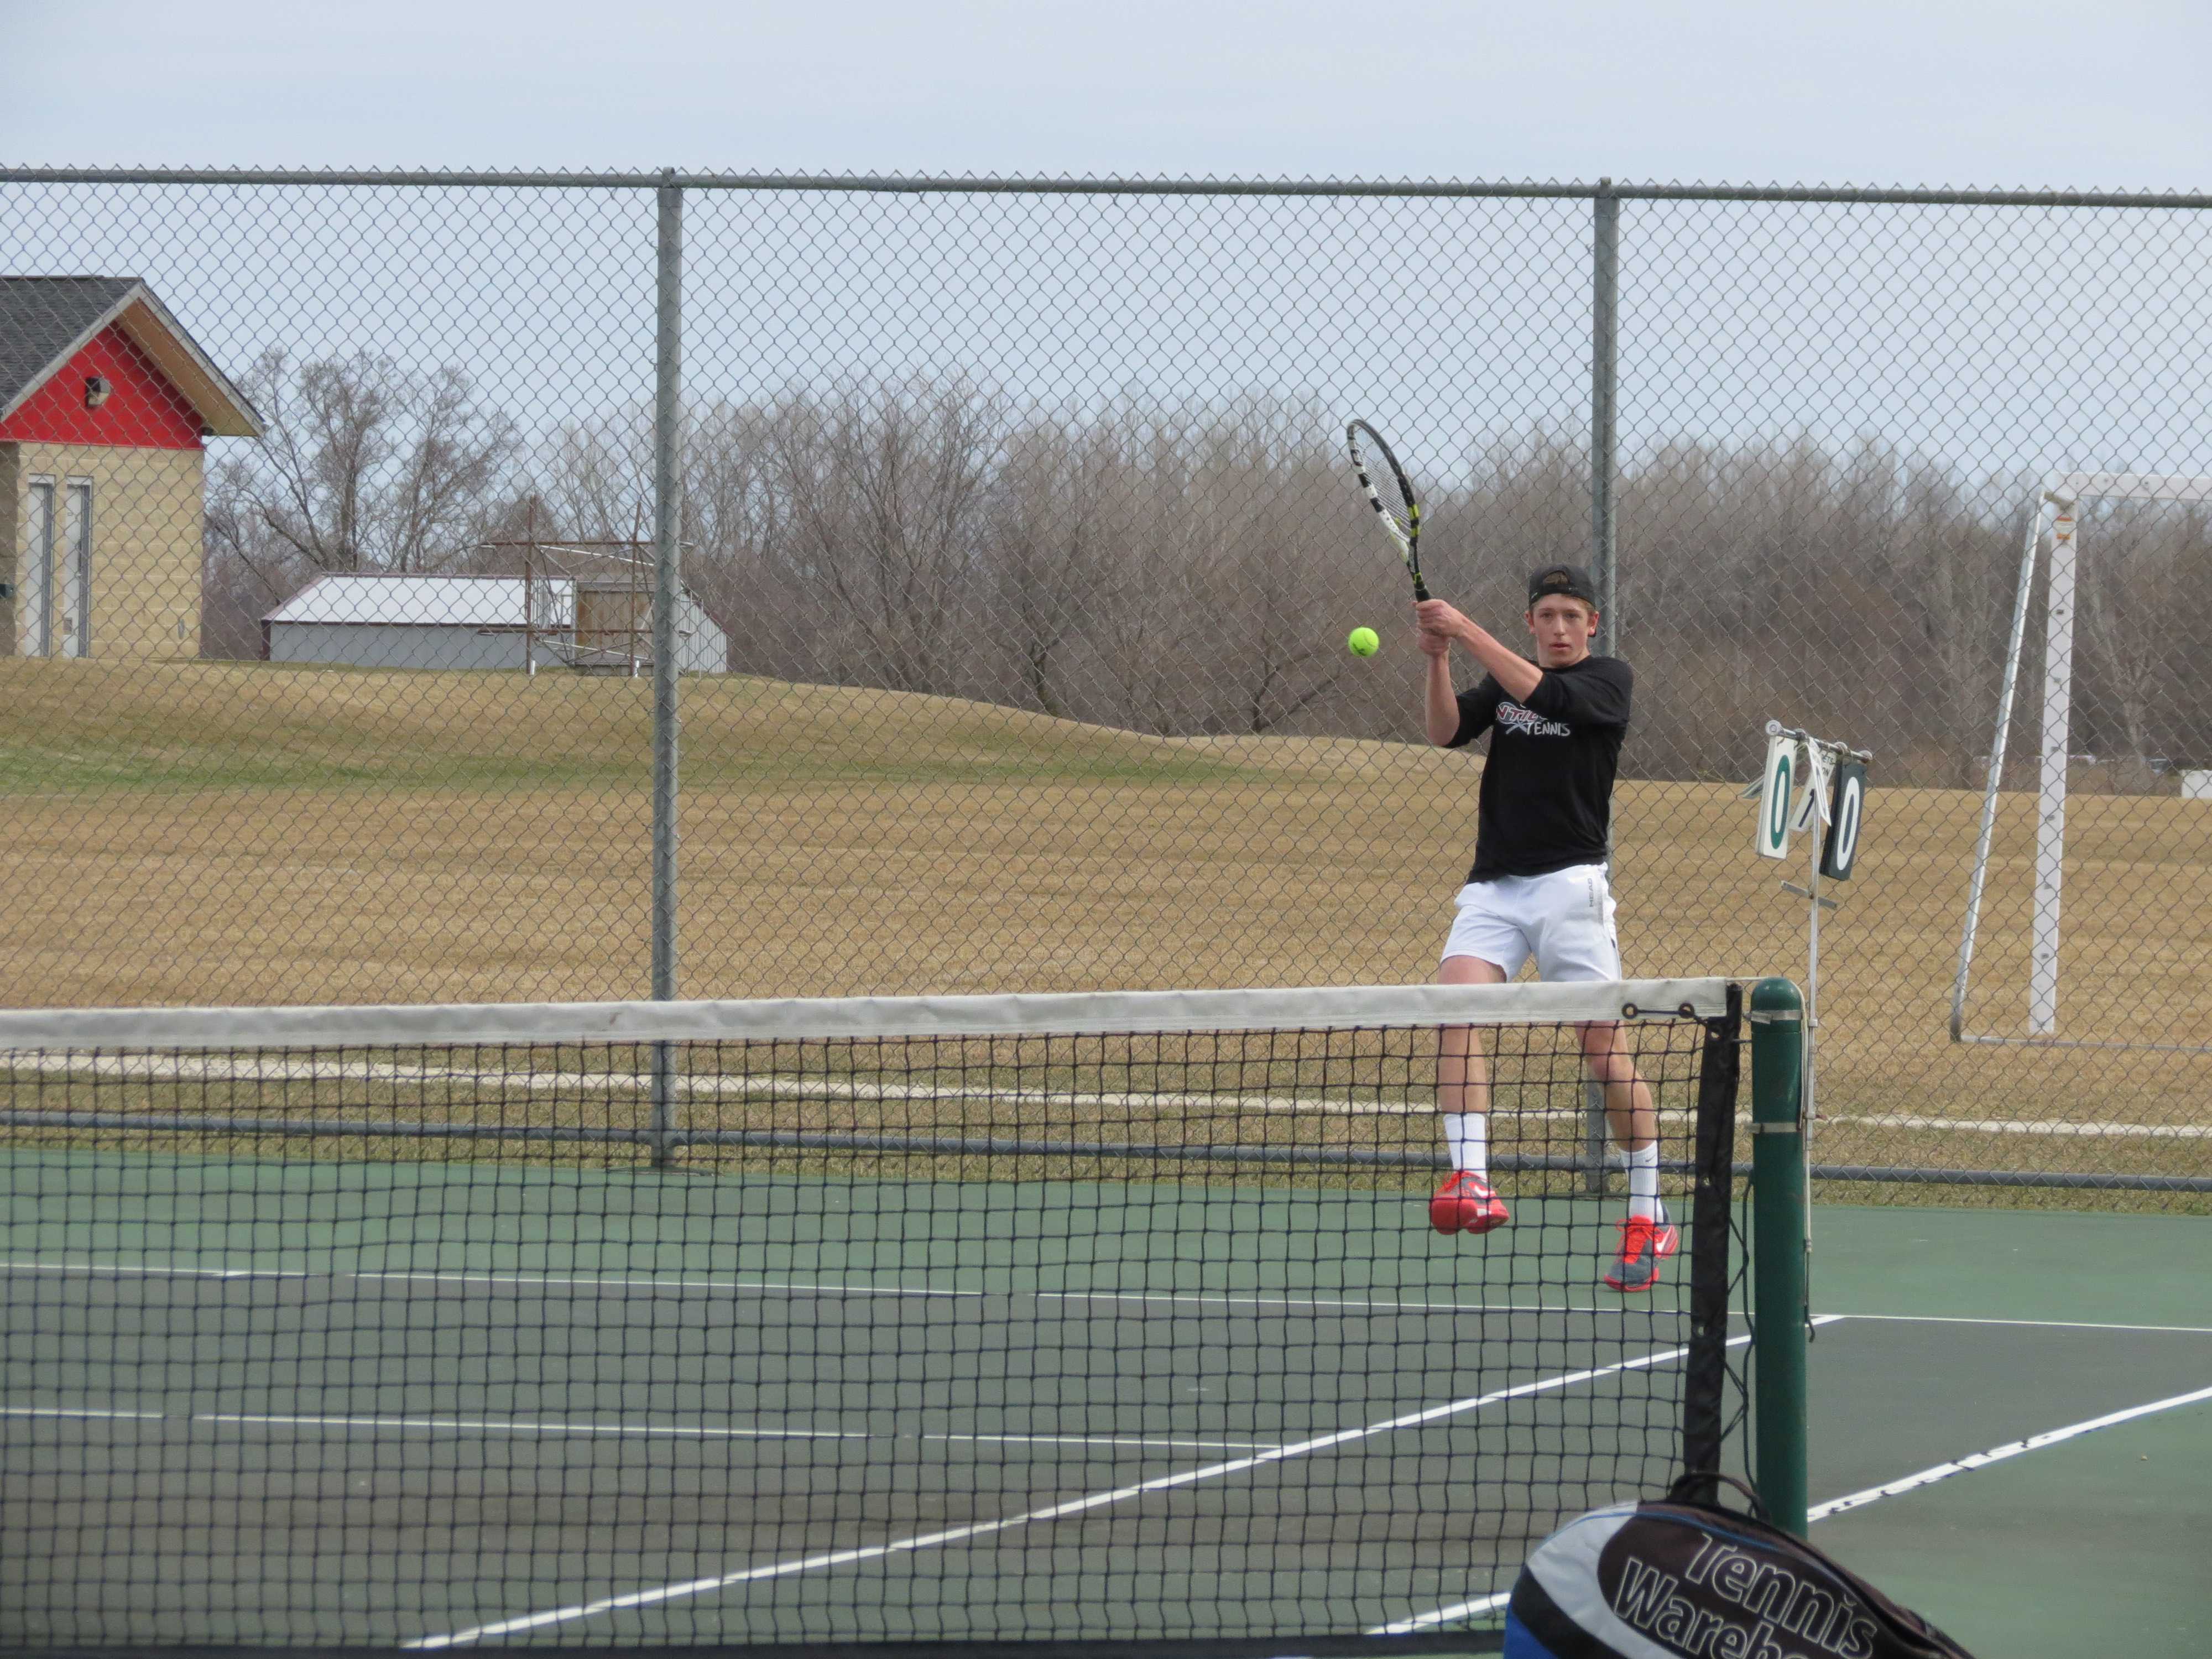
(1016,563)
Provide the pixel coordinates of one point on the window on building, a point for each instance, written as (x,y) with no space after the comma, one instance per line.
(34,591)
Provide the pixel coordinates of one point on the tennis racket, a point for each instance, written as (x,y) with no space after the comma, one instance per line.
(1397,509)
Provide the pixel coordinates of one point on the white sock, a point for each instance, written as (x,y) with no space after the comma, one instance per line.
(1643,1183)
(1466,1138)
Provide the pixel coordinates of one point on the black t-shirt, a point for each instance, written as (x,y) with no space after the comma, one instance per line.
(1547,788)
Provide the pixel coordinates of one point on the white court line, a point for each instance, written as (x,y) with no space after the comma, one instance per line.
(1872,1494)
(900,1088)
(275,1067)
(1355,1303)
(556,1429)
(653,1281)
(281,1067)
(1998,1126)
(822,1288)
(1998,1454)
(86,1413)
(1452,1614)
(2032,1324)
(1053,1512)
(125,1269)
(1482,1604)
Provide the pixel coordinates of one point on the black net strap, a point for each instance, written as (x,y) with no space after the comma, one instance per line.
(1712,1269)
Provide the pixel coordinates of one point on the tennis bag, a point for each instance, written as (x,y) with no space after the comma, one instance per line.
(1672,1578)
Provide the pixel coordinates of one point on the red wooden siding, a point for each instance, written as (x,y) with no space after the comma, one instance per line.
(143,412)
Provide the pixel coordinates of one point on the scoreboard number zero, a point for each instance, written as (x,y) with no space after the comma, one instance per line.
(1776,784)
(1846,806)
(1805,783)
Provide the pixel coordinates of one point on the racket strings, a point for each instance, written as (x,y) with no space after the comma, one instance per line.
(1397,510)
(1391,494)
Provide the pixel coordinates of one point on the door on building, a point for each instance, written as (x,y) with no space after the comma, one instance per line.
(73,595)
(614,629)
(34,591)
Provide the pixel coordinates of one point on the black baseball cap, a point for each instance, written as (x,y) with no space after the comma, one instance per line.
(1571,581)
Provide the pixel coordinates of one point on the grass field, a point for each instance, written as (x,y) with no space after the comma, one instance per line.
(186,832)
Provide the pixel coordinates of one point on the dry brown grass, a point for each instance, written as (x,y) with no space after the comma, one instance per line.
(193,832)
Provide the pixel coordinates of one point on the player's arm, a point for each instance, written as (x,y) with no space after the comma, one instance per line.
(1515,675)
(1439,702)
(1453,721)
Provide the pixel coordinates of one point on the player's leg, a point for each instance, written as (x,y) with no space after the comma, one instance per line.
(1630,1111)
(1577,940)
(1464,1202)
(1647,1237)
(1485,947)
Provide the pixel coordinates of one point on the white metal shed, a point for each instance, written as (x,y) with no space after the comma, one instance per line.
(472,623)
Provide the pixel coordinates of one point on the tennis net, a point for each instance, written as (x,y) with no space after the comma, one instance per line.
(1112,1317)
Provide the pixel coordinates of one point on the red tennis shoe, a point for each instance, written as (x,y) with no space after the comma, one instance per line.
(1465,1204)
(1644,1244)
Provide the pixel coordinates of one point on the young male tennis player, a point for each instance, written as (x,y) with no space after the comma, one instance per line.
(1539,886)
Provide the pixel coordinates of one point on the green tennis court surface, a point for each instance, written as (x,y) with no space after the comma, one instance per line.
(1247,1398)
(992,1319)
(1197,1349)
(1093,1318)
(1966,1332)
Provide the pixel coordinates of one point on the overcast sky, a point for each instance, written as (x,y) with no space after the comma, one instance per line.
(1934,91)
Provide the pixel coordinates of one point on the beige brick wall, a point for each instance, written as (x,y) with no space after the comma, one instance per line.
(9,544)
(146,541)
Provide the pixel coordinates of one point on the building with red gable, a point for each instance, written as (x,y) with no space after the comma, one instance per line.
(105,406)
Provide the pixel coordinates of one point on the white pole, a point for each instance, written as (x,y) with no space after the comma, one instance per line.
(530,609)
(2015,640)
(2050,809)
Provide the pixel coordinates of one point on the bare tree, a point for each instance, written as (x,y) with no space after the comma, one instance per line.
(595,475)
(1193,569)
(883,492)
(1053,518)
(365,466)
(1280,573)
(2137,675)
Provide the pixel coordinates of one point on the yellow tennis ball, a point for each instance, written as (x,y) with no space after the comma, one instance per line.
(1363,642)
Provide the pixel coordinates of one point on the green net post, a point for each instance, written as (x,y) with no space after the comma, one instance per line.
(1777,1274)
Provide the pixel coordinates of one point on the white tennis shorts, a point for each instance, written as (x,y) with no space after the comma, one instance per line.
(1564,919)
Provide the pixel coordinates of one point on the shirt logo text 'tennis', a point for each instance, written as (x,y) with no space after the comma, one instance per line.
(1529,724)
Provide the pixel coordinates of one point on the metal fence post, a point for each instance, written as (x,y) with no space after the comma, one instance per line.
(1605,273)
(667,594)
(1605,322)
(1777,1271)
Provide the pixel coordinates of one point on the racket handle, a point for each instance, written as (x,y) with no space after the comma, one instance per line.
(1420,590)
